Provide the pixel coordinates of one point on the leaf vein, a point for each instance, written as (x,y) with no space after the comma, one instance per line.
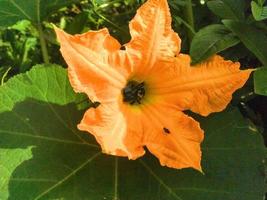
(46,138)
(90,159)
(161,182)
(20,9)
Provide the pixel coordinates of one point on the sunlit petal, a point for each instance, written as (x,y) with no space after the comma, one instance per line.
(117,132)
(174,137)
(205,88)
(152,35)
(92,61)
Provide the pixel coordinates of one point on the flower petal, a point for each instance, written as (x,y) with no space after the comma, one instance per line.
(204,88)
(117,131)
(175,138)
(152,35)
(92,64)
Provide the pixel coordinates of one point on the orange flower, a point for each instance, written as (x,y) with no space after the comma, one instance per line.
(144,89)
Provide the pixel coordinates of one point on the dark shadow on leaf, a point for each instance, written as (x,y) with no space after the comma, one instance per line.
(57,146)
(66,164)
(41,122)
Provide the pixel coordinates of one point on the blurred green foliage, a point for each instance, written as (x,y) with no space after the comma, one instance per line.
(19,47)
(234,28)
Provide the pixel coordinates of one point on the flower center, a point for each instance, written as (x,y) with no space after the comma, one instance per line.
(133,92)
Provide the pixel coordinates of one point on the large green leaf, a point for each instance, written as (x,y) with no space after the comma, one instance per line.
(228,9)
(254,39)
(12,11)
(260,81)
(211,40)
(38,110)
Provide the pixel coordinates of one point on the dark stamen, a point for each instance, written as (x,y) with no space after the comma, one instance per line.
(134,92)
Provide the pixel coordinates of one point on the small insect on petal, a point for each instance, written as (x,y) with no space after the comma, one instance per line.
(167,131)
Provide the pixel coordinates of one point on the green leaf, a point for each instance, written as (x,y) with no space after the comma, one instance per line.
(228,9)
(29,45)
(264,13)
(10,159)
(261,2)
(254,39)
(36,11)
(78,23)
(211,40)
(39,109)
(260,81)
(22,26)
(259,12)
(256,10)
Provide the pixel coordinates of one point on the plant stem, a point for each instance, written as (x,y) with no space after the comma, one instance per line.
(4,76)
(189,18)
(43,44)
